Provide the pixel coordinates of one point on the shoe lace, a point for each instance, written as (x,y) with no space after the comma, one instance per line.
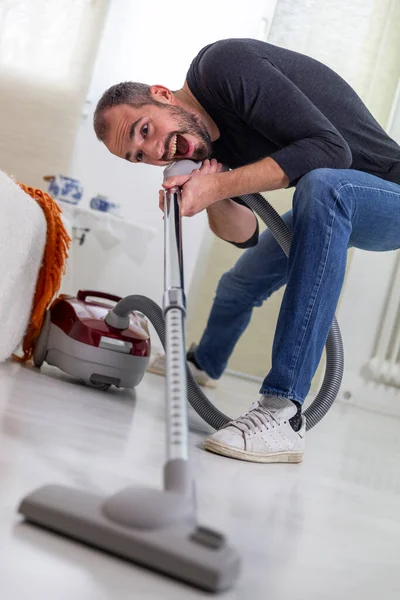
(254,420)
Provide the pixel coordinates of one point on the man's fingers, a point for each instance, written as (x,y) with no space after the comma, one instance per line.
(205,168)
(161,199)
(211,166)
(178,180)
(208,167)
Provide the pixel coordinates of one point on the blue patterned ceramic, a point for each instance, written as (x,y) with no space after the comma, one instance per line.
(65,189)
(103,204)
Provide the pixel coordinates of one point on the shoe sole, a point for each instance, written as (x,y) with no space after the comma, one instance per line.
(203,383)
(272,457)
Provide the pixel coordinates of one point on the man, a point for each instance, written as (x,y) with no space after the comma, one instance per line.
(277,119)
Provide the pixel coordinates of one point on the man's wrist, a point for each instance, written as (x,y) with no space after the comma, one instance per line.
(265,175)
(221,186)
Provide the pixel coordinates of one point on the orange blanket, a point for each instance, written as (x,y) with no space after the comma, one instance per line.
(52,268)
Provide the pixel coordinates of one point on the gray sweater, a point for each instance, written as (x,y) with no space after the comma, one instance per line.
(268,101)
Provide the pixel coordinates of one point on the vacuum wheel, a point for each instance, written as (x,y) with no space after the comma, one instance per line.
(101,386)
(40,351)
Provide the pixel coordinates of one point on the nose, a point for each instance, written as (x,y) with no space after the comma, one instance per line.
(153,149)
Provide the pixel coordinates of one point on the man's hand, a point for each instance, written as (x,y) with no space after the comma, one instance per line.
(209,188)
(199,189)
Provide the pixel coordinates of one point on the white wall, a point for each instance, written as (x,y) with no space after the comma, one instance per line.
(47,53)
(152,42)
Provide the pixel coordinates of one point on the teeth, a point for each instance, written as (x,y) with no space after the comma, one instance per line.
(173,147)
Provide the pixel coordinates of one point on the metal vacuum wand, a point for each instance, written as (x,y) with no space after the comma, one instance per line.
(174,308)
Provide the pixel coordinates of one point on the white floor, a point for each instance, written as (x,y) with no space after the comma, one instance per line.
(326,529)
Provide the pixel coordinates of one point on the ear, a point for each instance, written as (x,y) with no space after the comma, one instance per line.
(162,94)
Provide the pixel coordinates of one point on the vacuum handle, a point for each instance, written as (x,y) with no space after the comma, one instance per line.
(173,255)
(181,167)
(185,167)
(83,294)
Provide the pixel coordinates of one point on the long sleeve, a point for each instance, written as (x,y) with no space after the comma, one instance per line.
(248,84)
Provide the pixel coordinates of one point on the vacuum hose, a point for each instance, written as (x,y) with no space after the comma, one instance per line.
(119,317)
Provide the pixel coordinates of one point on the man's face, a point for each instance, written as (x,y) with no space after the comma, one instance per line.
(156,134)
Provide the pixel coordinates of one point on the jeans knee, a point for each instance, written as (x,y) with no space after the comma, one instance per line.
(234,290)
(228,287)
(321,177)
(318,180)
(318,189)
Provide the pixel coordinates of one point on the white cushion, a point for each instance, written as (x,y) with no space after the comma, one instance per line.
(22,242)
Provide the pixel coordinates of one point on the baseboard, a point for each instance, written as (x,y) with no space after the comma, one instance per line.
(246,376)
(356,390)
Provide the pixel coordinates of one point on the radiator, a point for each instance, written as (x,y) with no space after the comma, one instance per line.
(384,366)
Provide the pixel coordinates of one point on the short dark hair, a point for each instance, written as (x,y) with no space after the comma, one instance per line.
(127,92)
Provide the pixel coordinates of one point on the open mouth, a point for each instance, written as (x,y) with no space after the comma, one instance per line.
(179,147)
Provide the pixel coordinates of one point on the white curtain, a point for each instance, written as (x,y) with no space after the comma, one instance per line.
(47,50)
(359,39)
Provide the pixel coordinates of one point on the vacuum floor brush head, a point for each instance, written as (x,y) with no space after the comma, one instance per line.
(173,545)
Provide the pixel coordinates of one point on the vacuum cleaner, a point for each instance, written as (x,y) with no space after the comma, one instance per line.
(76,338)
(159,528)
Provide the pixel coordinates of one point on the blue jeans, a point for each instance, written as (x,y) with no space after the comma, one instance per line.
(332,210)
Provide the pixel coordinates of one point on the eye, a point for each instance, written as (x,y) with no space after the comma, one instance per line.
(145,130)
(139,157)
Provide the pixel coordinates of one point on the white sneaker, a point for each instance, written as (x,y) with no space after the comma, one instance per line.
(264,434)
(157,366)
